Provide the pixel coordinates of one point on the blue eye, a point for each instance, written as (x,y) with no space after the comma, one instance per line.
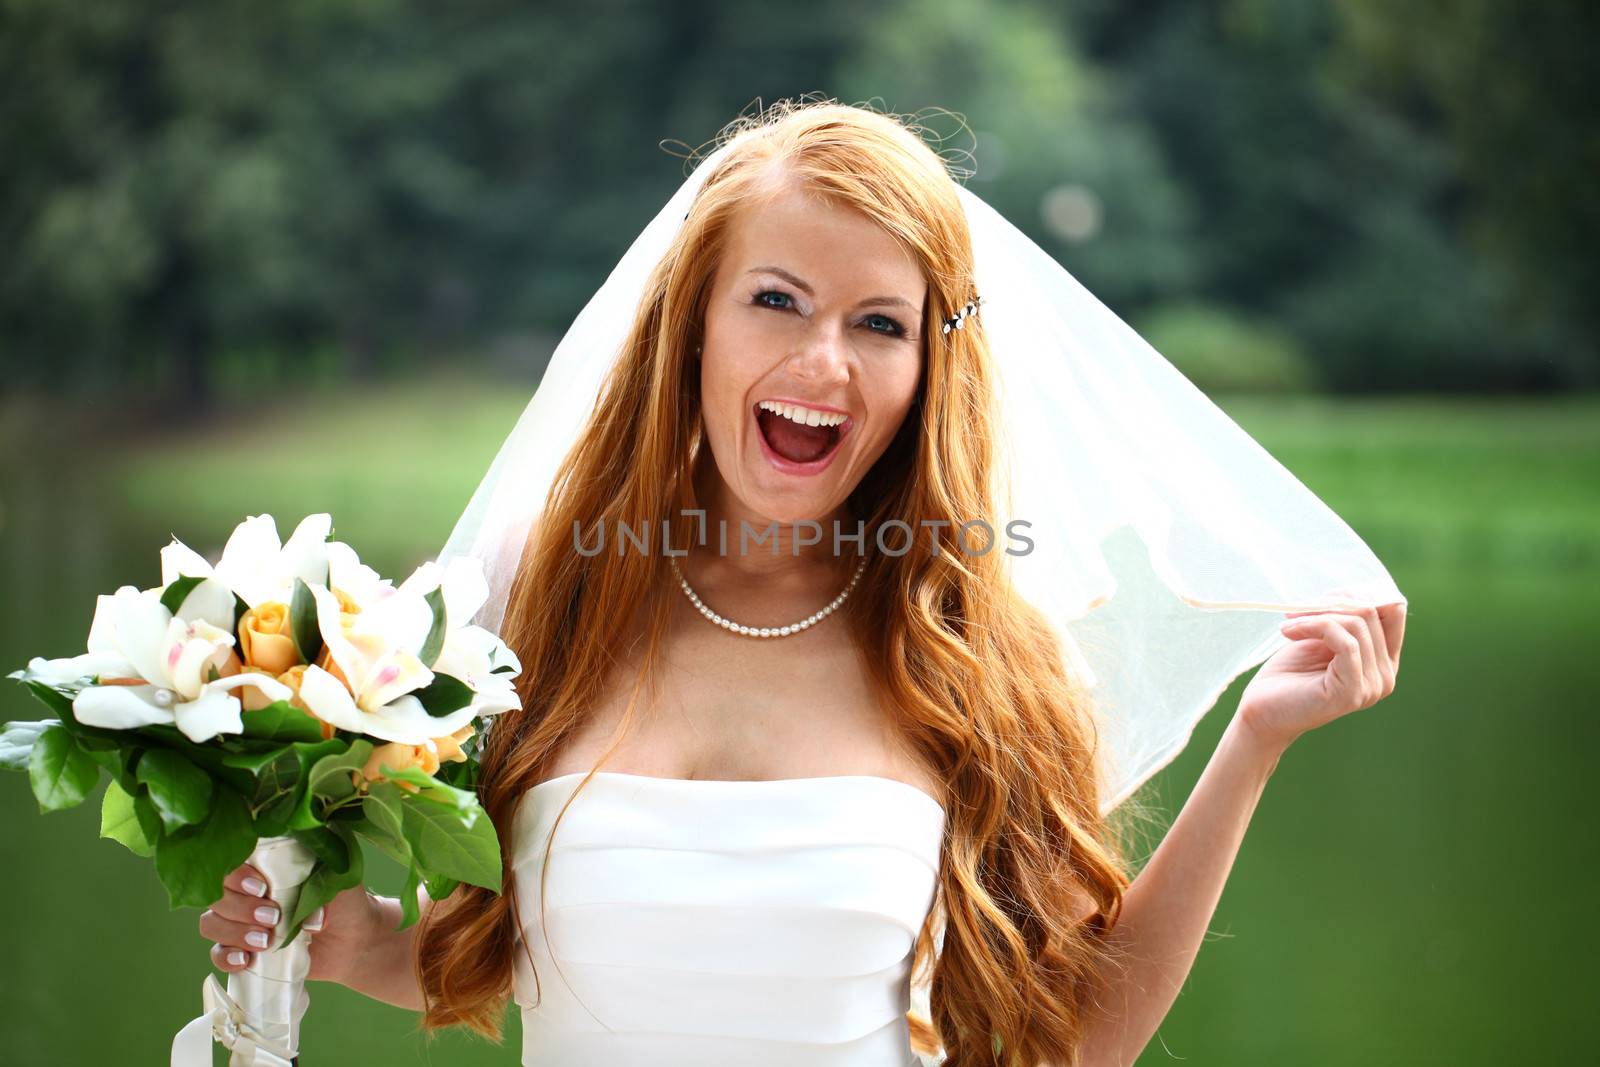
(894,330)
(877,323)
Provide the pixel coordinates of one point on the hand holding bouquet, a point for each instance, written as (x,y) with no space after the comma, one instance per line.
(277,707)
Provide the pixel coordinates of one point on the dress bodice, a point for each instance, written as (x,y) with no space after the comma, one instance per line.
(703,923)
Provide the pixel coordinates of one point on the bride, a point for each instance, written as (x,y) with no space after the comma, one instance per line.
(757,784)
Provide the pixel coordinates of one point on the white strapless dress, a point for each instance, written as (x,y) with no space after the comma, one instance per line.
(695,923)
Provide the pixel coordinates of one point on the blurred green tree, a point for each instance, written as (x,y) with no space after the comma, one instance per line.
(1509,89)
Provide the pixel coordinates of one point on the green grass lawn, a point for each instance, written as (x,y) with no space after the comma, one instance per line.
(1413,889)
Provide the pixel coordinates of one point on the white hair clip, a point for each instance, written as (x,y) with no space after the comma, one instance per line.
(960,318)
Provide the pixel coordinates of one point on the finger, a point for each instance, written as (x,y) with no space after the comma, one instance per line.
(1357,675)
(247,880)
(1346,664)
(1368,631)
(246,936)
(1394,629)
(257,911)
(1377,626)
(230,959)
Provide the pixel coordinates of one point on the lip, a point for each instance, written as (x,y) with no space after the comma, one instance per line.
(789,466)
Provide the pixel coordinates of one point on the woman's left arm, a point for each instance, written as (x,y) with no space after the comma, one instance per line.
(1340,662)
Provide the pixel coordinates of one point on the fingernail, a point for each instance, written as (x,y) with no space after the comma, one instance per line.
(313,921)
(267,915)
(254,886)
(256,939)
(237,958)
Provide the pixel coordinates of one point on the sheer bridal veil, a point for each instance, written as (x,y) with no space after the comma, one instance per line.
(1167,544)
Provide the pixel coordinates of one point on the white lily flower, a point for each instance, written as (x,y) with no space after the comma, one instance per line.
(472,653)
(376,651)
(462,582)
(381,646)
(162,663)
(74,669)
(353,578)
(254,564)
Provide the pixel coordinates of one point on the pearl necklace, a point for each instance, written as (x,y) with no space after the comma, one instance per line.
(765,631)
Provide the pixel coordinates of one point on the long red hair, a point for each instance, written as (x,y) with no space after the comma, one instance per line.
(972,675)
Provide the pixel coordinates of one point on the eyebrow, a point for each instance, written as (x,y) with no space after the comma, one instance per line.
(898,301)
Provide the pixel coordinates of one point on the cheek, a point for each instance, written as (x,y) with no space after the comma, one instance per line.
(720,383)
(732,362)
(896,388)
(724,382)
(888,396)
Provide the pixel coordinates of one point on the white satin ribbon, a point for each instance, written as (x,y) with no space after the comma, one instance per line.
(258,1015)
(226,1022)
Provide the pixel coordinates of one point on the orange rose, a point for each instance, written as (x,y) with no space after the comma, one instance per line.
(450,747)
(292,678)
(426,756)
(251,698)
(264,638)
(401,757)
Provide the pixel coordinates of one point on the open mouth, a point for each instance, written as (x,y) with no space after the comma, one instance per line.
(796,442)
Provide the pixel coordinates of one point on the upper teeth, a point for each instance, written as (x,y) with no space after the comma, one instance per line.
(803,415)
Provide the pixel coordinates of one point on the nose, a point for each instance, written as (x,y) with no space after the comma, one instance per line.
(823,360)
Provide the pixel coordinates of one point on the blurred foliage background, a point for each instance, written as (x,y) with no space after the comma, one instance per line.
(205,199)
(312,255)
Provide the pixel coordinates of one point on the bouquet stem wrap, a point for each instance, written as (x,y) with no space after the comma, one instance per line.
(258,1017)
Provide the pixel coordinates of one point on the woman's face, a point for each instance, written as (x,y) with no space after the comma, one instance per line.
(812,355)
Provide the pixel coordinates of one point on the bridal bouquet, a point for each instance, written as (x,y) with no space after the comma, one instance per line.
(275,708)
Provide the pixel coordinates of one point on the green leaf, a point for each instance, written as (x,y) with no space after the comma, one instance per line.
(331,847)
(309,752)
(435,640)
(180,791)
(330,777)
(145,809)
(445,844)
(440,887)
(444,695)
(124,821)
(463,774)
(303,622)
(328,780)
(62,774)
(324,884)
(382,821)
(410,912)
(193,861)
(277,793)
(282,721)
(178,591)
(16,742)
(126,774)
(109,758)
(240,609)
(436,791)
(258,760)
(52,698)
(504,668)
(210,757)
